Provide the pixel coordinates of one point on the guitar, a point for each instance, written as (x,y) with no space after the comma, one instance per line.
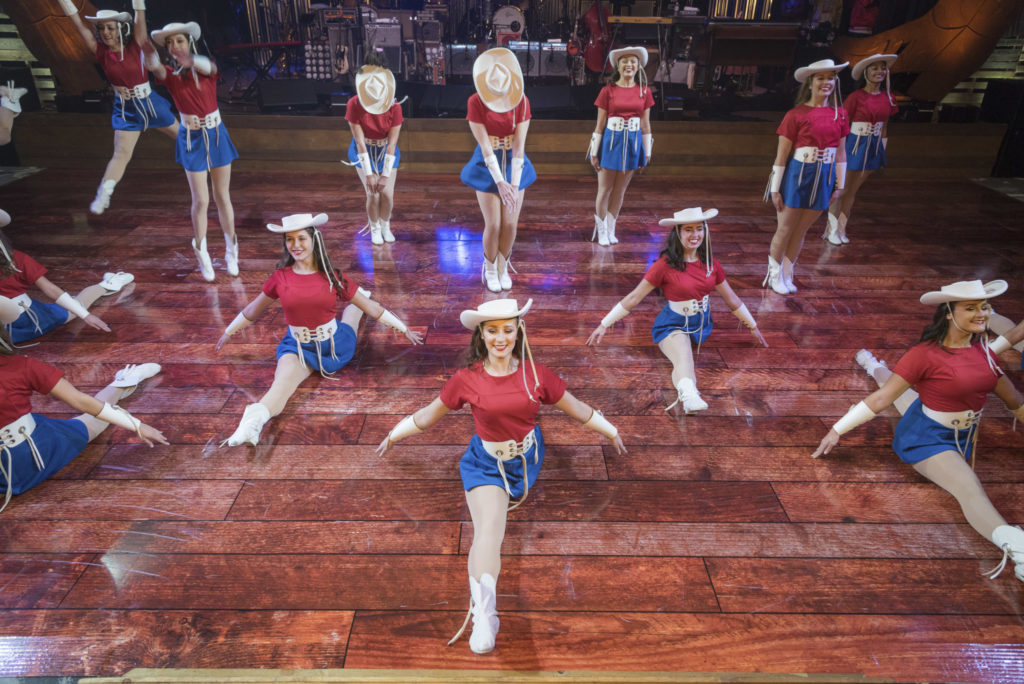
(341,61)
(599,40)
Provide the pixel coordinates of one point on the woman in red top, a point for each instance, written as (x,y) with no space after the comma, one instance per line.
(136,107)
(309,288)
(868,110)
(809,167)
(952,370)
(506,453)
(375,120)
(32,446)
(622,141)
(687,274)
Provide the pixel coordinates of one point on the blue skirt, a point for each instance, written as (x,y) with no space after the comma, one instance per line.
(864,152)
(919,437)
(50,316)
(377,164)
(622,150)
(808,186)
(58,441)
(698,326)
(477,467)
(221,150)
(344,349)
(475,173)
(140,115)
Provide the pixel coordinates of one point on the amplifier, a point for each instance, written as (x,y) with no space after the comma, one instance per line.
(382,34)
(428,31)
(460,59)
(528,54)
(554,59)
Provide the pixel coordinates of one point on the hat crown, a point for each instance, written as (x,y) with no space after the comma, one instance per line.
(498,79)
(297,221)
(499,308)
(690,215)
(376,86)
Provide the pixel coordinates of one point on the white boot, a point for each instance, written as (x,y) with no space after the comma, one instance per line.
(375,232)
(10,97)
(102,200)
(843,218)
(485,614)
(774,277)
(503,276)
(231,255)
(385,229)
(786,274)
(489,275)
(689,396)
(868,362)
(1011,541)
(601,231)
(205,264)
(249,428)
(832,232)
(609,221)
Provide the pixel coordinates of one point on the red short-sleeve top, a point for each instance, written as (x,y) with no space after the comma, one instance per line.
(681,286)
(190,98)
(817,127)
(625,102)
(19,283)
(500,125)
(870,107)
(20,376)
(307,298)
(949,379)
(375,126)
(127,72)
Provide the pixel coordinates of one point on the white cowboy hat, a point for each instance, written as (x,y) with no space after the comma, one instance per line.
(297,222)
(190,29)
(640,52)
(5,218)
(111,15)
(498,79)
(691,215)
(818,67)
(863,64)
(494,310)
(964,291)
(375,87)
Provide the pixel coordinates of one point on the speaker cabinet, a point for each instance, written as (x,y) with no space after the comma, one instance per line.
(554,60)
(460,59)
(286,94)
(528,54)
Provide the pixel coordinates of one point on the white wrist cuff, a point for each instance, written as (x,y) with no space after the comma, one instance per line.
(406,428)
(364,163)
(153,60)
(840,175)
(240,322)
(741,312)
(599,423)
(72,305)
(775,180)
(858,414)
(115,415)
(517,171)
(648,144)
(491,163)
(202,64)
(139,5)
(392,321)
(389,163)
(595,145)
(69,7)
(999,345)
(617,313)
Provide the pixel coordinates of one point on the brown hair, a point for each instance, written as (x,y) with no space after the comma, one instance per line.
(320,259)
(477,351)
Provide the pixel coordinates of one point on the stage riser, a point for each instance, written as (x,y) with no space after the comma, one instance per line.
(685,149)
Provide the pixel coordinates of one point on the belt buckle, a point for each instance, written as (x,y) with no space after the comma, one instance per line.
(507,447)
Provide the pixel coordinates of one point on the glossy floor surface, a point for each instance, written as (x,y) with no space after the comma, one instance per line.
(715,544)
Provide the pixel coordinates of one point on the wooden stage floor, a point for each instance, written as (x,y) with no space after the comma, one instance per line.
(715,545)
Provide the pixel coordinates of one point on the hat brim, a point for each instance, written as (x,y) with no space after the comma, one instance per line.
(803,73)
(992,288)
(503,102)
(471,318)
(190,29)
(122,17)
(315,222)
(863,64)
(709,214)
(641,54)
(382,105)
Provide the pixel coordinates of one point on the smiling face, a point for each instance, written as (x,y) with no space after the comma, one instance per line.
(691,235)
(971,317)
(177,45)
(876,72)
(628,66)
(108,32)
(823,84)
(300,245)
(500,339)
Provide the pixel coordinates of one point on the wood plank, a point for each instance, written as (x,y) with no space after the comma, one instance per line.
(39,580)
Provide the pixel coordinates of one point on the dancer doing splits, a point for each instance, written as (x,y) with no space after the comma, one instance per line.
(800,189)
(622,141)
(204,147)
(26,318)
(506,453)
(499,118)
(687,273)
(309,288)
(136,107)
(952,370)
(869,109)
(375,120)
(34,447)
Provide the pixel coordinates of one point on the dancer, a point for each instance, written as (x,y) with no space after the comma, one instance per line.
(687,273)
(32,446)
(952,371)
(136,107)
(375,120)
(10,107)
(309,288)
(505,396)
(499,118)
(869,108)
(19,272)
(204,147)
(623,121)
(801,189)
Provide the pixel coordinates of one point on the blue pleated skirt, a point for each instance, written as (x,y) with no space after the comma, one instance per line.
(919,437)
(220,149)
(50,316)
(377,164)
(864,152)
(477,467)
(622,150)
(698,326)
(344,349)
(140,115)
(475,173)
(808,186)
(58,441)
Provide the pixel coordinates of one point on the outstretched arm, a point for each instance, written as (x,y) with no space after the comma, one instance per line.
(414,424)
(65,300)
(84,31)
(591,419)
(739,310)
(252,311)
(862,412)
(80,401)
(621,310)
(377,312)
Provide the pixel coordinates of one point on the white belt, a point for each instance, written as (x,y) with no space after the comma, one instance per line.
(194,122)
(13,434)
(510,448)
(501,143)
(377,143)
(143,90)
(321,333)
(689,307)
(23,300)
(813,155)
(860,128)
(954,420)
(617,123)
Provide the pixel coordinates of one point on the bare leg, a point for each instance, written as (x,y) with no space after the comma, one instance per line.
(372,211)
(351,316)
(6,125)
(605,183)
(221,177)
(110,395)
(200,203)
(796,238)
(788,224)
(679,350)
(950,471)
(490,207)
(386,197)
(170,131)
(289,375)
(510,226)
(124,147)
(618,192)
(842,207)
(488,507)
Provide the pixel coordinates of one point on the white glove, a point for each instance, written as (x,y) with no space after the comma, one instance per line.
(389,163)
(139,5)
(68,7)
(595,145)
(648,145)
(517,171)
(202,64)
(491,163)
